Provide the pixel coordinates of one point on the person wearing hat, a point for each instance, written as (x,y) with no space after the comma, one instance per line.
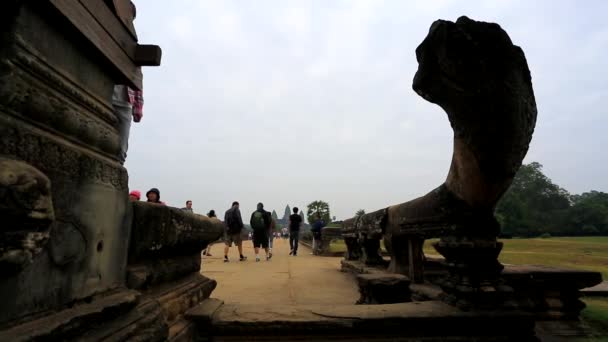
(153,196)
(134,196)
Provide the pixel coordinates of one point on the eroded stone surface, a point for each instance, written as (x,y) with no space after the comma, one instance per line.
(26,209)
(385,288)
(163,230)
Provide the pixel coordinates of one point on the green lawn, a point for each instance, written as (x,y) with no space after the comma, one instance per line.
(595,317)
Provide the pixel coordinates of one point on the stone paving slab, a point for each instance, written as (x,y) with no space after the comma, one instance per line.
(282,281)
(404,321)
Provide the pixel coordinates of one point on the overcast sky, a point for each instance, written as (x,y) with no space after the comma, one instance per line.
(287,102)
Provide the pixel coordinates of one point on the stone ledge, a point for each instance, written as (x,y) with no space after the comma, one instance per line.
(358,267)
(162,231)
(425,320)
(75,320)
(600,290)
(386,288)
(158,270)
(550,277)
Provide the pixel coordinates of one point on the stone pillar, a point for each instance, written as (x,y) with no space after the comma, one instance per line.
(351,239)
(56,118)
(328,234)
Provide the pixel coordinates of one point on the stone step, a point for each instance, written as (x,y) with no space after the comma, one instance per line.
(417,321)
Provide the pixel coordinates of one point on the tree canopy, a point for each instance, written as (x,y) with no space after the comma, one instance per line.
(318,209)
(534,205)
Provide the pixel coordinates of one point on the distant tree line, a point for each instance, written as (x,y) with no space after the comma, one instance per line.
(535,206)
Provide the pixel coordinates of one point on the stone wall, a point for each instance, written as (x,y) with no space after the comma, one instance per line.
(55,115)
(77,259)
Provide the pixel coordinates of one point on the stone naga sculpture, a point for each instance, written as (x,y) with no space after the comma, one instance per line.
(474,72)
(26,209)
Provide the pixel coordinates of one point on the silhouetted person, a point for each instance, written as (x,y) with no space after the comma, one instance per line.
(234,226)
(261,221)
(295,221)
(207,251)
(316,228)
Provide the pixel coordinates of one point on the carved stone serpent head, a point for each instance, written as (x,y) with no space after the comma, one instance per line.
(474,72)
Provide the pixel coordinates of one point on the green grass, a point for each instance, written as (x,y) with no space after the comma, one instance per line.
(595,317)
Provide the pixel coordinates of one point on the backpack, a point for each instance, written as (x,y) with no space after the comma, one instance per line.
(257,221)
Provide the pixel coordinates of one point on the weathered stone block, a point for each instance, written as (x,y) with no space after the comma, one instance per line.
(328,234)
(385,288)
(162,231)
(553,293)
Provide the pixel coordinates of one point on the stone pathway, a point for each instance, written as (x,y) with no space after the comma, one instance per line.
(283,281)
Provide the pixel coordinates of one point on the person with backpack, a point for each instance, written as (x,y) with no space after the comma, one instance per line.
(295,221)
(261,221)
(234,226)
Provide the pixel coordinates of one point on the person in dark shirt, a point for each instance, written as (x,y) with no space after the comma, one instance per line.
(188,207)
(317,226)
(234,226)
(295,221)
(261,222)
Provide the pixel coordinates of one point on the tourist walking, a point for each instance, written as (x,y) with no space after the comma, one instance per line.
(260,222)
(234,226)
(316,228)
(295,221)
(188,206)
(207,251)
(271,233)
